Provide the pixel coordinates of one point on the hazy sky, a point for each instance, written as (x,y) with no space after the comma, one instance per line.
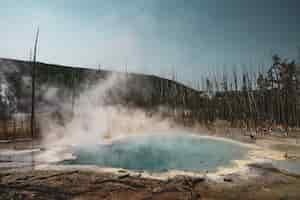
(152,36)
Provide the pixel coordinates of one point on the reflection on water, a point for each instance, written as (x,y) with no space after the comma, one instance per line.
(155,153)
(161,152)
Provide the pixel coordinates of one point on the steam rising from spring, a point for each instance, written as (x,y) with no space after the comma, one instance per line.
(94,119)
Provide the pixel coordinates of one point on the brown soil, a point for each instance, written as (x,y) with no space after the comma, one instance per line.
(34,184)
(266,182)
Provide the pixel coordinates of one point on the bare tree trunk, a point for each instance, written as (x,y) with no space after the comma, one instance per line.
(32,121)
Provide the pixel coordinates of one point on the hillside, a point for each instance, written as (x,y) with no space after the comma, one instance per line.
(140,90)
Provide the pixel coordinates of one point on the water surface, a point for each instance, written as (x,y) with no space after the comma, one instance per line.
(158,153)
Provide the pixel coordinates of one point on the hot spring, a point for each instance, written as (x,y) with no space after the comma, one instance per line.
(161,152)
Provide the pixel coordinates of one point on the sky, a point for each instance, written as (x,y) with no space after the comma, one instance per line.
(192,37)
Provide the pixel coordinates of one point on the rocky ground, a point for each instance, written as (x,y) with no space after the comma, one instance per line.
(268,183)
(259,181)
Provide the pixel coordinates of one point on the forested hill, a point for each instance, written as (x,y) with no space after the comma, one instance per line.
(272,97)
(145,91)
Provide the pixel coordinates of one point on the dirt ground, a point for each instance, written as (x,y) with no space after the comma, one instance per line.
(261,181)
(75,184)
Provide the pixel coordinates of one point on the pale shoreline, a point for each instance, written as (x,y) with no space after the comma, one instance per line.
(256,181)
(255,154)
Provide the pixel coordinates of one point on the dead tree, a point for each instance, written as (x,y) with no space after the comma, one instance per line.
(32,121)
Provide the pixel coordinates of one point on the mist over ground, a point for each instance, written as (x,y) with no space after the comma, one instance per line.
(93,118)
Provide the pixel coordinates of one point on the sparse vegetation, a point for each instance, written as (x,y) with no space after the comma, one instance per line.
(249,100)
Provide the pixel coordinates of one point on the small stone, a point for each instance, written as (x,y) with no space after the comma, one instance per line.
(197,180)
(123,176)
(228,180)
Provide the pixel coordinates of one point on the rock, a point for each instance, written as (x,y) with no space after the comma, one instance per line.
(196,180)
(228,180)
(156,190)
(124,176)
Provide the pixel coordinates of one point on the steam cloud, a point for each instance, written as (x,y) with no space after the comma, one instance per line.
(94,119)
